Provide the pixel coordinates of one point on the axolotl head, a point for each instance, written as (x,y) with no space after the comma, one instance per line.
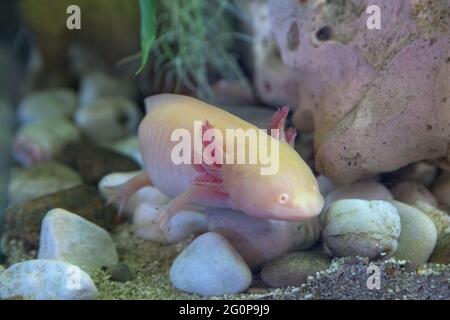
(291,194)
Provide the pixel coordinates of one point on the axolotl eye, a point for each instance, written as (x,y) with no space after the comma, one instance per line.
(283,198)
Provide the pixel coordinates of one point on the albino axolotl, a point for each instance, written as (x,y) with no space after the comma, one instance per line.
(291,194)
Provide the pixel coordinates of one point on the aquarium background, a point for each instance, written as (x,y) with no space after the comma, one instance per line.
(367,85)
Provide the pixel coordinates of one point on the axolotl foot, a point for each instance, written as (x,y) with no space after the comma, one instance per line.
(163,220)
(160,220)
(120,194)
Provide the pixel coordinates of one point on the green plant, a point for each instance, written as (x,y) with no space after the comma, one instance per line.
(148,29)
(186,44)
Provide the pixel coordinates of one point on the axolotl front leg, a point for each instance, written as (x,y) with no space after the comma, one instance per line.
(193,195)
(122,193)
(205,189)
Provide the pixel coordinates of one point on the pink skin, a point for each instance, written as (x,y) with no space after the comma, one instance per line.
(222,186)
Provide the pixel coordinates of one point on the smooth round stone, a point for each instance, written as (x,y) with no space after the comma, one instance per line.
(181,225)
(293,269)
(93,162)
(149,195)
(68,237)
(46,280)
(108,119)
(39,180)
(260,240)
(98,85)
(363,190)
(48,103)
(441,190)
(233,92)
(120,273)
(325,185)
(130,147)
(442,163)
(361,228)
(410,192)
(42,140)
(421,172)
(210,266)
(417,237)
(441,219)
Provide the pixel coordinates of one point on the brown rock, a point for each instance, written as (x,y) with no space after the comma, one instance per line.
(23,222)
(95,162)
(441,189)
(441,219)
(410,192)
(423,172)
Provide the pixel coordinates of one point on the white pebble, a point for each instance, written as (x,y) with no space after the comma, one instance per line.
(359,227)
(363,190)
(210,266)
(68,237)
(181,226)
(98,84)
(46,280)
(47,103)
(108,119)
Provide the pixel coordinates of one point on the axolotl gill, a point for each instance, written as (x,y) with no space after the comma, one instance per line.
(292,194)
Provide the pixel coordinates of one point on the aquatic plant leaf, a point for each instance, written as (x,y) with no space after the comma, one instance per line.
(148,29)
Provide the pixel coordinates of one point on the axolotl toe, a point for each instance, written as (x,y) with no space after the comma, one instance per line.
(215,175)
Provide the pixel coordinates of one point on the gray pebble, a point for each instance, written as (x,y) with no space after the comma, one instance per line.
(46,280)
(68,237)
(108,119)
(97,84)
(120,272)
(293,269)
(363,190)
(358,227)
(40,105)
(42,140)
(441,219)
(417,237)
(210,266)
(261,240)
(39,180)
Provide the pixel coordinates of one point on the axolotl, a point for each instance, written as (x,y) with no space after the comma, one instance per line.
(292,194)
